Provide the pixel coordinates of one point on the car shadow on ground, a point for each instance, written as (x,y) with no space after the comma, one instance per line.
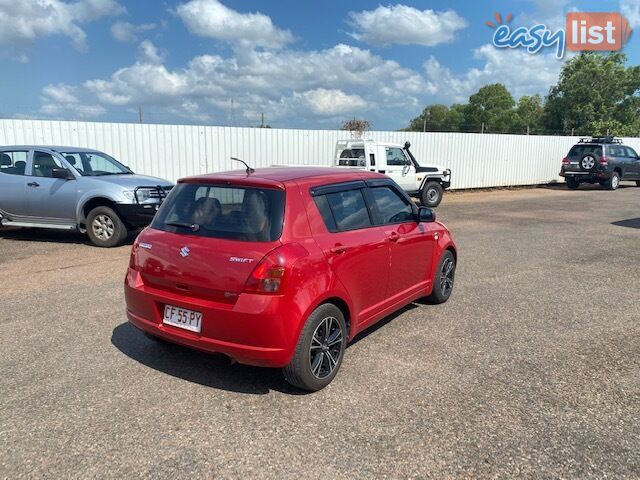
(51,236)
(212,370)
(583,186)
(629,223)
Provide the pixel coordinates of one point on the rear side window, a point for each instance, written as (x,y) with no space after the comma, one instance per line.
(216,211)
(580,151)
(391,206)
(345,210)
(13,163)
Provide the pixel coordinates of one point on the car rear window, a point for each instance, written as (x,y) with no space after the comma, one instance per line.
(220,211)
(582,150)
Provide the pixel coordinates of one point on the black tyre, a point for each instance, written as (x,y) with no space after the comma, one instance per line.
(431,194)
(444,279)
(105,228)
(588,162)
(573,183)
(319,351)
(613,183)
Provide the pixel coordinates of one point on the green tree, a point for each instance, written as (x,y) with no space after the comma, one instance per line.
(530,112)
(595,93)
(492,105)
(433,118)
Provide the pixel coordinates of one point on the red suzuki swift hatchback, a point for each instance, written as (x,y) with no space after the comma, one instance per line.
(281,267)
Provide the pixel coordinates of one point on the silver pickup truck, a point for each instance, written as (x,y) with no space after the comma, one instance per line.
(72,188)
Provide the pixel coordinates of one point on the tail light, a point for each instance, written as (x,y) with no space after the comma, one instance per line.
(274,269)
(133,264)
(604,161)
(565,161)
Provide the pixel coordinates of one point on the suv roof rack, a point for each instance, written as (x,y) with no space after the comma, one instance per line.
(608,139)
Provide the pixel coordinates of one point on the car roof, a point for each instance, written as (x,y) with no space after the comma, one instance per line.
(55,148)
(279,176)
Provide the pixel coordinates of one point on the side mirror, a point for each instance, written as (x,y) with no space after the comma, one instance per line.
(426,215)
(62,173)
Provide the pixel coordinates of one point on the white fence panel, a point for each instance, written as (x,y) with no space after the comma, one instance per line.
(174,151)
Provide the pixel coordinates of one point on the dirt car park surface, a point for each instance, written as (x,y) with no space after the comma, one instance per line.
(532,368)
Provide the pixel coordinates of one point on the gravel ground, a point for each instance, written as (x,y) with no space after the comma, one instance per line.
(532,369)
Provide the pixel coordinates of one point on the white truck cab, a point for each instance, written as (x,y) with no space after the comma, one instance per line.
(426,182)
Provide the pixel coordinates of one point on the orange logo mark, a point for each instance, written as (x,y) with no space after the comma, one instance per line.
(596,31)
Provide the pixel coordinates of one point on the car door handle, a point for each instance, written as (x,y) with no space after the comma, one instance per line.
(339,249)
(33,184)
(394,237)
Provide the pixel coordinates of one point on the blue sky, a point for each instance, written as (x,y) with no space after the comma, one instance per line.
(304,64)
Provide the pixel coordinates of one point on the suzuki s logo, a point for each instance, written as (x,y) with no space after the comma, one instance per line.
(240,260)
(184,252)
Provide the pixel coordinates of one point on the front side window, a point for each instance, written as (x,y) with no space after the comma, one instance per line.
(345,210)
(13,163)
(631,153)
(94,164)
(395,156)
(391,206)
(44,164)
(216,211)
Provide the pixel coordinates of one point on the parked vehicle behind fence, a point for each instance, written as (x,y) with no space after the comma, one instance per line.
(281,267)
(427,182)
(70,188)
(603,160)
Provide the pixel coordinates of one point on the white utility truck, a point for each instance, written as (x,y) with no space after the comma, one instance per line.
(427,182)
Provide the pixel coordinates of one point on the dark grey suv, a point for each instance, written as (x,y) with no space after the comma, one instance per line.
(603,160)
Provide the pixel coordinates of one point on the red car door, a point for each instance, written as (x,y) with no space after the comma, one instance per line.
(411,243)
(357,251)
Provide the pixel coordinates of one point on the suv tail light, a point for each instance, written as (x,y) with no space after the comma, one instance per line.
(274,269)
(565,161)
(604,161)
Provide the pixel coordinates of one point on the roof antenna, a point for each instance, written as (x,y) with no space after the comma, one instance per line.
(249,170)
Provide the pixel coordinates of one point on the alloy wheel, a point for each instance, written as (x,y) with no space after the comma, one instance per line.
(446,277)
(326,347)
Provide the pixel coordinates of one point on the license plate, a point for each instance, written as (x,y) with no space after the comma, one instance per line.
(182,318)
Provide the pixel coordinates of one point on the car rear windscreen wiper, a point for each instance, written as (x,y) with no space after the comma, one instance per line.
(194,227)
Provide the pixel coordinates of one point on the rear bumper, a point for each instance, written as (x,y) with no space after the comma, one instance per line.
(255,330)
(593,176)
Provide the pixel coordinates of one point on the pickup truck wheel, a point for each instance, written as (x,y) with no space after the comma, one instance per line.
(573,183)
(431,194)
(105,228)
(443,279)
(614,182)
(319,351)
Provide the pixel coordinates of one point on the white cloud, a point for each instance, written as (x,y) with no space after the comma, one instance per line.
(25,21)
(60,93)
(148,53)
(521,72)
(313,85)
(61,101)
(210,18)
(126,32)
(401,24)
(631,11)
(333,101)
